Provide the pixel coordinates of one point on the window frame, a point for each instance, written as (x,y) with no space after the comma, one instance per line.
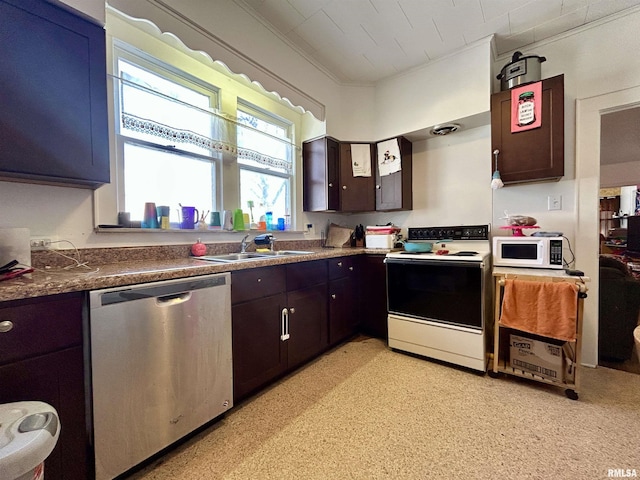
(270,117)
(156,66)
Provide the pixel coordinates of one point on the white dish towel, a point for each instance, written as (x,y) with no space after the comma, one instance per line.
(389,160)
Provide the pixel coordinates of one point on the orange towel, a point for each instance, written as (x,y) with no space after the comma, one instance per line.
(543,308)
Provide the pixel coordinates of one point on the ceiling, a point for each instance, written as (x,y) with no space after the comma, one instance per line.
(364,41)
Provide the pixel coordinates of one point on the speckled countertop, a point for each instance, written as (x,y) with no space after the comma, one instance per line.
(113,267)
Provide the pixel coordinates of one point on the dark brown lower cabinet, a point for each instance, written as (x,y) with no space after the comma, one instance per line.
(275,333)
(344,316)
(258,353)
(307,324)
(284,316)
(41,359)
(373,296)
(343,312)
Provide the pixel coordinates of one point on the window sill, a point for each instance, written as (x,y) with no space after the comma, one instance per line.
(207,231)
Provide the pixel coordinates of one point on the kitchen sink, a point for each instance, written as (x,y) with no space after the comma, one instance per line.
(280,253)
(243,257)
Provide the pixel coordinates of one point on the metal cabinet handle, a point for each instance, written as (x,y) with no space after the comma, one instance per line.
(284,325)
(333,295)
(331,184)
(377,187)
(6,326)
(351,269)
(344,187)
(292,310)
(259,280)
(339,264)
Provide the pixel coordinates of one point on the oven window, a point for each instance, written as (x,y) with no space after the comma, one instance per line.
(441,293)
(516,251)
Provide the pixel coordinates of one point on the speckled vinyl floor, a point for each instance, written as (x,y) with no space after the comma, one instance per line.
(363,411)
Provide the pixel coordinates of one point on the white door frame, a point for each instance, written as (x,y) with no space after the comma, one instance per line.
(588,113)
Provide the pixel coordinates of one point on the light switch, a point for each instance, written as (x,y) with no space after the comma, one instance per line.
(554,202)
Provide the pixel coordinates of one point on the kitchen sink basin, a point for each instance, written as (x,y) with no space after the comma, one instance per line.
(280,253)
(244,257)
(232,257)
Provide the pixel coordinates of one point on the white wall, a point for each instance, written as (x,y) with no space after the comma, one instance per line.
(448,89)
(594,61)
(92,8)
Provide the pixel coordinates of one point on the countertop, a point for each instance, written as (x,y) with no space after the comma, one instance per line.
(93,276)
(537,272)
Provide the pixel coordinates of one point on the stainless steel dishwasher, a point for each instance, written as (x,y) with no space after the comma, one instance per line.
(160,365)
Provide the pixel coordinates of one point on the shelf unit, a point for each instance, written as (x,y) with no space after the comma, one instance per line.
(570,378)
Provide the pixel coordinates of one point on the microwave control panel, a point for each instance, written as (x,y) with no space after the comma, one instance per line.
(555,252)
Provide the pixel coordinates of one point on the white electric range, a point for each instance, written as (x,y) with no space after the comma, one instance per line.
(439,302)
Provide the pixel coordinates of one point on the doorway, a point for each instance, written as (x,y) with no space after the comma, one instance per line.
(619,274)
(589,114)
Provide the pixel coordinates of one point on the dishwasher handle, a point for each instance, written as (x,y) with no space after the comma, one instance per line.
(171,300)
(163,290)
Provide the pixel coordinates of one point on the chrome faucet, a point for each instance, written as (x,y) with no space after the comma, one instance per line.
(244,244)
(272,242)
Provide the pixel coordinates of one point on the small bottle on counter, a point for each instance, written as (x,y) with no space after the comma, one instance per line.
(268,218)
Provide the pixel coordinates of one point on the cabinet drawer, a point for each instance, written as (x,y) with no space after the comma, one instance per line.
(256,283)
(342,267)
(41,325)
(306,274)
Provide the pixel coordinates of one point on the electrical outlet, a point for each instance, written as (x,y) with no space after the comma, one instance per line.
(40,243)
(554,202)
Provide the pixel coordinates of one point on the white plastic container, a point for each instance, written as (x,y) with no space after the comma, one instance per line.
(29,432)
(379,241)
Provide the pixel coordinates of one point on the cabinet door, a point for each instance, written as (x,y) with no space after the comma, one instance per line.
(53,107)
(42,359)
(259,354)
(56,379)
(356,193)
(530,155)
(307,324)
(320,169)
(373,296)
(343,309)
(394,192)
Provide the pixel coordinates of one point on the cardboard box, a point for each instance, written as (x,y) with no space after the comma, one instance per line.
(537,357)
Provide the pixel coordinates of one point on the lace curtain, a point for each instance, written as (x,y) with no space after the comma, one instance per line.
(159,118)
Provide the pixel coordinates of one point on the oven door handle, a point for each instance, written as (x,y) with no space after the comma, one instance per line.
(448,263)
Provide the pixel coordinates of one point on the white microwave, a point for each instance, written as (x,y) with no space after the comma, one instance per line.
(532,252)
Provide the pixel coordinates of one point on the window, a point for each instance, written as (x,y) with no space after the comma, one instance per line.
(265,158)
(165,128)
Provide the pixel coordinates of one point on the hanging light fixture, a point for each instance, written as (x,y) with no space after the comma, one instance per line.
(496,181)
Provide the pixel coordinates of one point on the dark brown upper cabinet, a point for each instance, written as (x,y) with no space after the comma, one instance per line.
(329,183)
(356,193)
(394,192)
(530,155)
(53,100)
(320,169)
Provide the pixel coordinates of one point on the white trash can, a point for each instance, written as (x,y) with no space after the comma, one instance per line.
(28,433)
